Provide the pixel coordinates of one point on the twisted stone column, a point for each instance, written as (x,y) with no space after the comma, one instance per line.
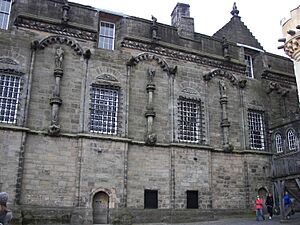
(150,114)
(225,124)
(55,100)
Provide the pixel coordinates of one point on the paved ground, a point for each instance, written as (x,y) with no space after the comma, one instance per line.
(294,220)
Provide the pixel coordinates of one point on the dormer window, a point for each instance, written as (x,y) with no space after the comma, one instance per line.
(249,66)
(5,6)
(106,35)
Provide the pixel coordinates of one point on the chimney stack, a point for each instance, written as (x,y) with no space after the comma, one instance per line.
(182,20)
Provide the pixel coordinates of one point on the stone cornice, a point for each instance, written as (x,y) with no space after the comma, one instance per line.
(182,54)
(274,75)
(55,27)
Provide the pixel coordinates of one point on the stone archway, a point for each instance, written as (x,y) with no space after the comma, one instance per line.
(100,208)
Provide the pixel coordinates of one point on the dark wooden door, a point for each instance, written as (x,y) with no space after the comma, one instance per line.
(100,208)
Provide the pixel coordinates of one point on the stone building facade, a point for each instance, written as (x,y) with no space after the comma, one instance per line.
(109,118)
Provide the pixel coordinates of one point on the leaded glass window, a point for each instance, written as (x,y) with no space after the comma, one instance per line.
(5,6)
(189,120)
(9,98)
(256,130)
(291,140)
(278,142)
(104,110)
(107,35)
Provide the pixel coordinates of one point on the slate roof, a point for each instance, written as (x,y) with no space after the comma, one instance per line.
(236,31)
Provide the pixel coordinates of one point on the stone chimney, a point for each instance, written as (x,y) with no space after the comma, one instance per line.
(182,20)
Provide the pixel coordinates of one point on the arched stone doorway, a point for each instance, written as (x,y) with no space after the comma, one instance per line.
(100,208)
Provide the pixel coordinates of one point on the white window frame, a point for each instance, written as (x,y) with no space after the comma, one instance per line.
(5,13)
(109,38)
(249,65)
(10,91)
(291,140)
(278,143)
(256,128)
(189,131)
(104,108)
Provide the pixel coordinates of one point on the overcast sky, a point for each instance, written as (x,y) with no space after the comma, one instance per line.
(262,17)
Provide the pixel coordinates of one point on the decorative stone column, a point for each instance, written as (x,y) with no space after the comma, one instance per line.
(291,34)
(150,113)
(55,100)
(225,124)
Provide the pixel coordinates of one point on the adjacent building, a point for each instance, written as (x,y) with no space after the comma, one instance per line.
(110,118)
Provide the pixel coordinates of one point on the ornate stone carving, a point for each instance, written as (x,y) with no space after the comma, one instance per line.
(11,71)
(154,30)
(148,56)
(273,86)
(225,47)
(56,101)
(150,113)
(5,60)
(60,40)
(279,77)
(225,124)
(222,73)
(56,28)
(65,16)
(59,56)
(177,54)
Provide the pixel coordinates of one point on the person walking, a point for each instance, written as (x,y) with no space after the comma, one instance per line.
(287,203)
(5,213)
(259,208)
(269,203)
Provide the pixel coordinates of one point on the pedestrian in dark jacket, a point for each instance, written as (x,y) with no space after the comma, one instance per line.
(269,203)
(5,213)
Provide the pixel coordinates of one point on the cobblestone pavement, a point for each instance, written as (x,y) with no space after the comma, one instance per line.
(294,220)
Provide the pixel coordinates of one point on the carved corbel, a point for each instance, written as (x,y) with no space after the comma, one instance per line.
(132,62)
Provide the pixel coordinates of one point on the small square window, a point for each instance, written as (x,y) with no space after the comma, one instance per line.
(151,199)
(192,200)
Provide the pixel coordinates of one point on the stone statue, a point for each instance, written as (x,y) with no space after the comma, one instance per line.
(151,74)
(222,88)
(154,20)
(59,56)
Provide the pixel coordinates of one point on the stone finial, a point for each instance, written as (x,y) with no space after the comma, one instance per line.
(235,11)
(65,17)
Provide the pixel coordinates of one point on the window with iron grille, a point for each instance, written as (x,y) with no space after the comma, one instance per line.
(256,128)
(107,35)
(10,87)
(291,140)
(192,199)
(189,120)
(104,110)
(278,142)
(5,6)
(151,199)
(249,66)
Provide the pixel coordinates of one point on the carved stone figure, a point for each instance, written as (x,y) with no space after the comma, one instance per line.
(151,74)
(222,88)
(59,56)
